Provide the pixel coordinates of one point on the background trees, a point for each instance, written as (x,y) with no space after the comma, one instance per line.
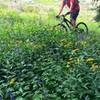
(97,8)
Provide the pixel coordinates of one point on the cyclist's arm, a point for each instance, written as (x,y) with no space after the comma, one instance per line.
(61,7)
(71,5)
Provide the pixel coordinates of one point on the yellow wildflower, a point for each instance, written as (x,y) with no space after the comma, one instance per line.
(94,67)
(63,42)
(78,60)
(12,81)
(89,59)
(74,50)
(83,43)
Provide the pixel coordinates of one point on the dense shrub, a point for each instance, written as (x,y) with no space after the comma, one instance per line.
(50,72)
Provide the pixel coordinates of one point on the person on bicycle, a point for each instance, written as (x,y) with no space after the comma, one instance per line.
(74,9)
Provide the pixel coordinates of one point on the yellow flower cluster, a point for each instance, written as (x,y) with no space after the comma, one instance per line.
(78,60)
(74,50)
(94,67)
(12,81)
(65,43)
(70,59)
(90,59)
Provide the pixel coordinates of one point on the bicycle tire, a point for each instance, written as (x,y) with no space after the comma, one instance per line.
(61,26)
(83,28)
(81,31)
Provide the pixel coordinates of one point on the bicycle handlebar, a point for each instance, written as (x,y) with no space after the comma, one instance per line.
(63,15)
(58,17)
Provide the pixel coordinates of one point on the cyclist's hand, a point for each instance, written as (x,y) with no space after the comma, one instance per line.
(57,16)
(67,13)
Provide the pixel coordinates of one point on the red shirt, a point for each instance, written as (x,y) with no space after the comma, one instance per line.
(75,5)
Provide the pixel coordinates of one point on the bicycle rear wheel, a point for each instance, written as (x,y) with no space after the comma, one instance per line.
(81,31)
(82,28)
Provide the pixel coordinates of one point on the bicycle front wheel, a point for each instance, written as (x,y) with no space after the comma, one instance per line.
(60,27)
(82,28)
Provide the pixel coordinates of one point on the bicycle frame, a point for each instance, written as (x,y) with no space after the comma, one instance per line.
(66,21)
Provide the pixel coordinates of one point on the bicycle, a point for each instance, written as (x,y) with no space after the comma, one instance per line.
(65,24)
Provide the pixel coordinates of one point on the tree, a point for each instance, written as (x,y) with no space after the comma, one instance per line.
(97,7)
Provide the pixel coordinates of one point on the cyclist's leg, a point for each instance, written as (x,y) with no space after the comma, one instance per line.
(73,17)
(73,21)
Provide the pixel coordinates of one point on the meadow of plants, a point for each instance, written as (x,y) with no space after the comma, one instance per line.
(38,63)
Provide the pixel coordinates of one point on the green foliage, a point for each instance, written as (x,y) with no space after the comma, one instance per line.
(38,63)
(97,18)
